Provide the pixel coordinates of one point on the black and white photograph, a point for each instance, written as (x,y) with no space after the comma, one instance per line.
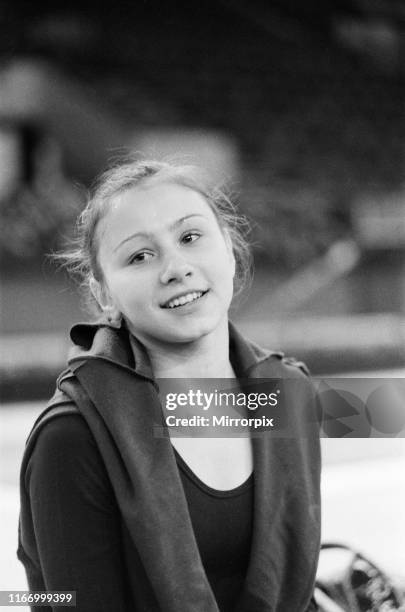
(202,306)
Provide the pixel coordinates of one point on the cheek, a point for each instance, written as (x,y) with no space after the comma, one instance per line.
(137,292)
(226,257)
(226,267)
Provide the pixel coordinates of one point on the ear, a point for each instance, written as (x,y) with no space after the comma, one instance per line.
(104,299)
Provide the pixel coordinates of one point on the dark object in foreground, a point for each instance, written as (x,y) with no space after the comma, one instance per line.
(354,583)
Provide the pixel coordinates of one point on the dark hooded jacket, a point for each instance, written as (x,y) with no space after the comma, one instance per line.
(109,383)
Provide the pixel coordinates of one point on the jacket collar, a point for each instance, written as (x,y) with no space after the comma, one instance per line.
(99,340)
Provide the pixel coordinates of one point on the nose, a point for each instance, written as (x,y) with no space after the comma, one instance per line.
(175,269)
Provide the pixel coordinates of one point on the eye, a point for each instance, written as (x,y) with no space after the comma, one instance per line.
(140,258)
(189,237)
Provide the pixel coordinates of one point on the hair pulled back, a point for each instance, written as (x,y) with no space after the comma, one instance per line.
(81,257)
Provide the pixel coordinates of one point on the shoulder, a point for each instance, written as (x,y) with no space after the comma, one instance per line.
(59,419)
(281,366)
(270,363)
(64,456)
(63,463)
(64,428)
(62,440)
(295,365)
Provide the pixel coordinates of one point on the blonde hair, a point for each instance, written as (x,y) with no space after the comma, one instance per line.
(80,258)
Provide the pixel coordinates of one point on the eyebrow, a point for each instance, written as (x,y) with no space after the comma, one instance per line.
(149,235)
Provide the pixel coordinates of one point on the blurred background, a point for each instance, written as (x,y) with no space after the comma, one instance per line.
(299,107)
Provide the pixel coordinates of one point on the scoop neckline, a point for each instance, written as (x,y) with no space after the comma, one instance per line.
(210,490)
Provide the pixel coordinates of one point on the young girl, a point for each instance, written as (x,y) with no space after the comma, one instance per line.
(132,520)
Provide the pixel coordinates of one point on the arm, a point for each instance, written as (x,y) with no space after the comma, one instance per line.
(75,517)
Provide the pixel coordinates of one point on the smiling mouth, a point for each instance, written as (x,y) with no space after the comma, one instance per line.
(189,298)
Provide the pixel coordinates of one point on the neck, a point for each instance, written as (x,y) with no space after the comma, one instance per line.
(207,357)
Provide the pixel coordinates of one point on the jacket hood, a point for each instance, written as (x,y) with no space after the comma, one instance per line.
(82,334)
(98,340)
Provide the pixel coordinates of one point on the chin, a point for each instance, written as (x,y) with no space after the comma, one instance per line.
(194,331)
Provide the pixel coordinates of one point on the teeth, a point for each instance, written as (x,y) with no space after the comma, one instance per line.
(184,299)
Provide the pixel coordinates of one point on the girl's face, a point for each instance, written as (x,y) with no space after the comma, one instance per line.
(168,268)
